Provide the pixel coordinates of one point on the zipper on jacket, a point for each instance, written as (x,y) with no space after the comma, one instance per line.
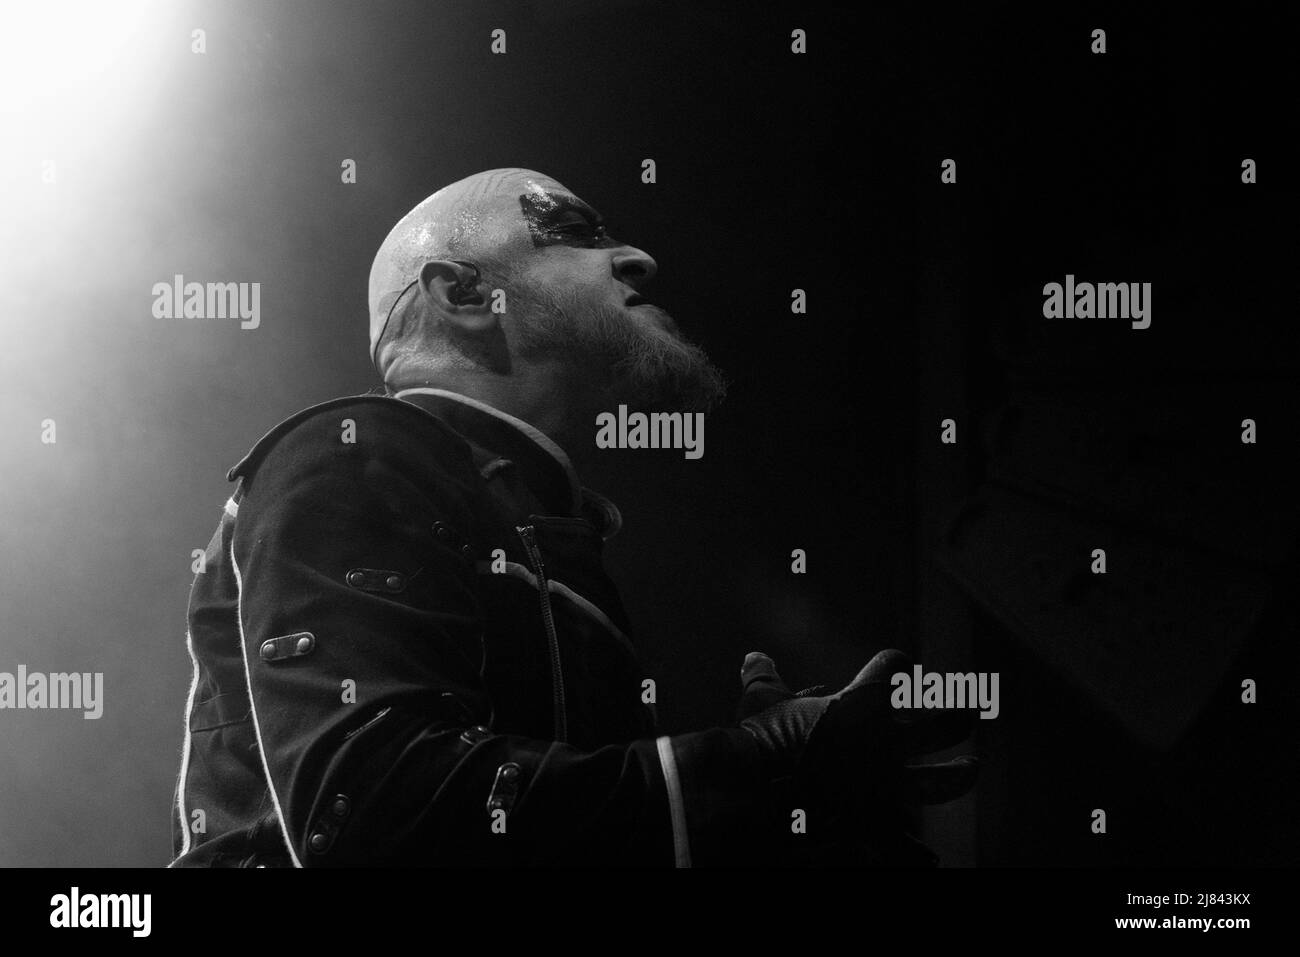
(526,534)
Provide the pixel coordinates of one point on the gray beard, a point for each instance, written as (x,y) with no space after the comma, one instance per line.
(658,371)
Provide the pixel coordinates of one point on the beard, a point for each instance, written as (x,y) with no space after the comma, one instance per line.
(653,368)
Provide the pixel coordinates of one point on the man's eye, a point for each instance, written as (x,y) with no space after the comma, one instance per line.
(580,228)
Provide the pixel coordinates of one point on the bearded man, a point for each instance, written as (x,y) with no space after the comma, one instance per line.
(406,648)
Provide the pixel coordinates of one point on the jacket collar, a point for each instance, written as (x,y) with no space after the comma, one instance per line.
(541,463)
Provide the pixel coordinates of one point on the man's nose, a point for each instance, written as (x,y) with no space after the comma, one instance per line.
(633,266)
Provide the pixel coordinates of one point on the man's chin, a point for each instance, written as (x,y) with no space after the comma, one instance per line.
(678,380)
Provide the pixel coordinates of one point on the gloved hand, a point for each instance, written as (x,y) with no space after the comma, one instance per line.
(852,744)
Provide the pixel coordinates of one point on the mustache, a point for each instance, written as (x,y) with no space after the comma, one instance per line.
(665,318)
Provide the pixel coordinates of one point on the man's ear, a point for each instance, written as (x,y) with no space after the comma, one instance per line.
(452,290)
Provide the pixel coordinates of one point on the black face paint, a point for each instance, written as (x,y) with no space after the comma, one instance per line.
(560,219)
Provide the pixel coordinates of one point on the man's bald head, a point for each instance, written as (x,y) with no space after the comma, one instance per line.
(571,311)
(474,218)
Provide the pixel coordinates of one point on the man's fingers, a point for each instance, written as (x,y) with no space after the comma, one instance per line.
(938,783)
(879,670)
(761,686)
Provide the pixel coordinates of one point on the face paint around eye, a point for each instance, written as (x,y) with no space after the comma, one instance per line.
(553,221)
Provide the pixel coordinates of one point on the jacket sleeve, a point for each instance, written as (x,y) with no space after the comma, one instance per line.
(361,640)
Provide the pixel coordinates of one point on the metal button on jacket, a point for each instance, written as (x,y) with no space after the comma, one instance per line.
(376,579)
(475,734)
(287,646)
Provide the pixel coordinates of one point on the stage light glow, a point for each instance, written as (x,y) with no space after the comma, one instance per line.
(69,53)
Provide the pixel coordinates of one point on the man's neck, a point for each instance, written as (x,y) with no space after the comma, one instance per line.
(536,394)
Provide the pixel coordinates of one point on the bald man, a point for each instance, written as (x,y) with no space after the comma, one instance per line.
(406,648)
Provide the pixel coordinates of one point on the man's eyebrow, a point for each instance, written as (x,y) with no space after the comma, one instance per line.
(549,203)
(565,202)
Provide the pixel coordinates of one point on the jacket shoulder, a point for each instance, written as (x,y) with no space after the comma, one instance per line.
(380,414)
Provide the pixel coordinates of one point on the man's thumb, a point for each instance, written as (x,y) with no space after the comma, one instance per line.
(761,686)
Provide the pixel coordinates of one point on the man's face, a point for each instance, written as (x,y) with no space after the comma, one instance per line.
(576,296)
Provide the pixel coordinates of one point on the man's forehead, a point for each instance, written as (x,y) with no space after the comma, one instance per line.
(521,190)
(550,196)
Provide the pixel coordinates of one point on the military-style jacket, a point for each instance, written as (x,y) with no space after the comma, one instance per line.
(406,651)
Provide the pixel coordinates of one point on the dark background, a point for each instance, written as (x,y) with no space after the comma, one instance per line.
(775,171)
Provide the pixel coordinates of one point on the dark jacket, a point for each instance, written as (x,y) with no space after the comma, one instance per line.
(406,651)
